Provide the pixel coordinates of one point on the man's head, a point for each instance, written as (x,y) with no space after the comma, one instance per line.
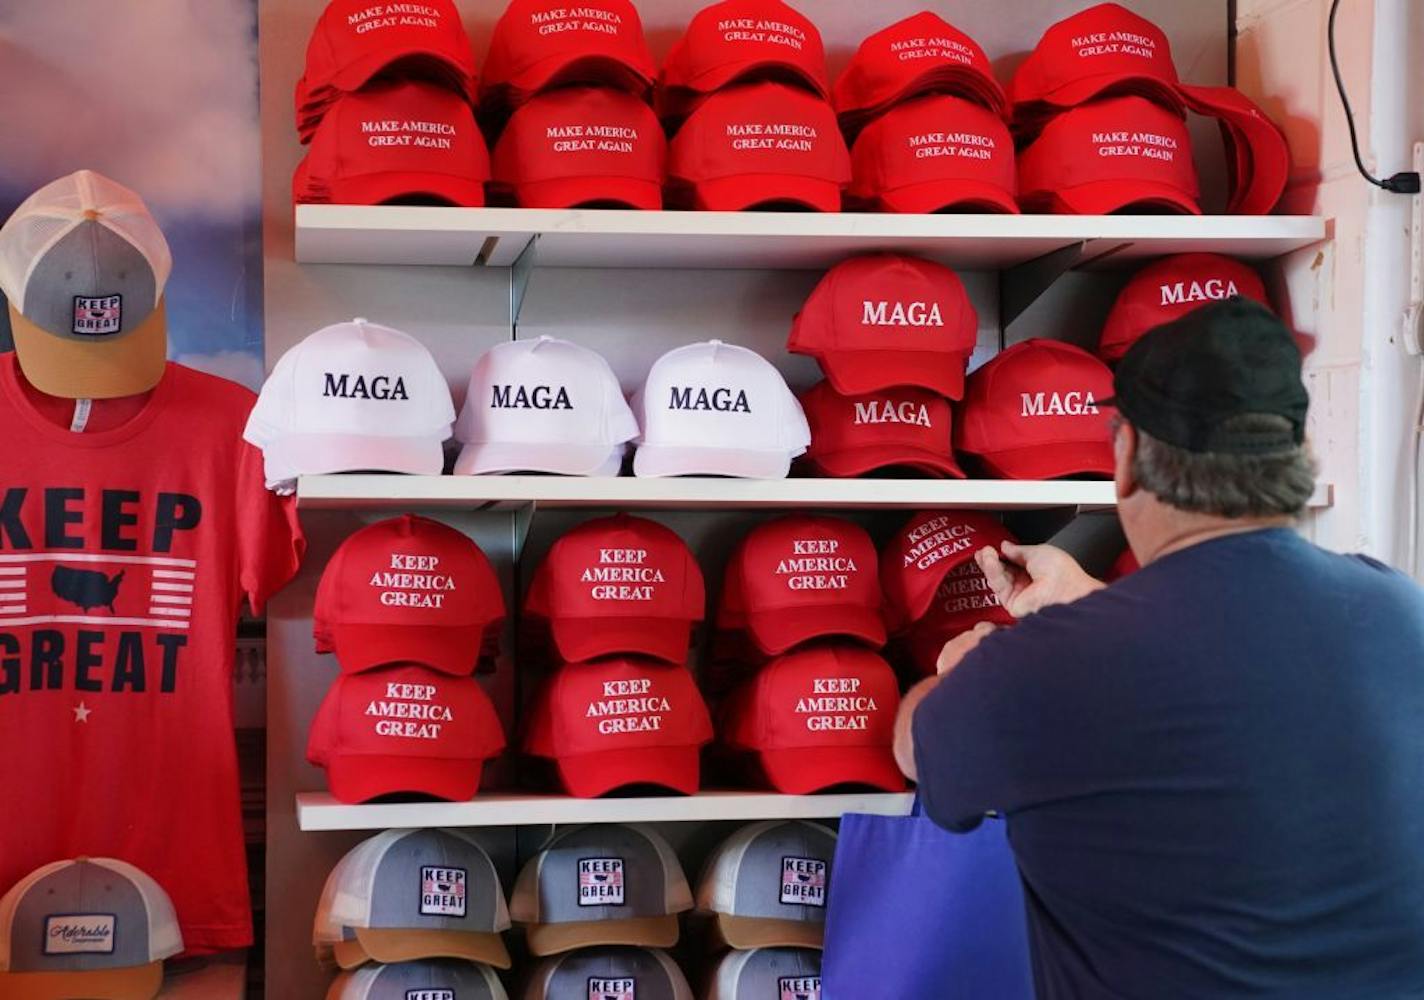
(1212,426)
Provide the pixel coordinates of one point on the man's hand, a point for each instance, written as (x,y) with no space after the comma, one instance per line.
(1028,578)
(958,647)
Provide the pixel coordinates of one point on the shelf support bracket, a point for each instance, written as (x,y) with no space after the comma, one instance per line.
(520,524)
(519,274)
(1021,285)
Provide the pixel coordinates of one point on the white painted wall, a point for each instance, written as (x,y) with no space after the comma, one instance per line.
(629,315)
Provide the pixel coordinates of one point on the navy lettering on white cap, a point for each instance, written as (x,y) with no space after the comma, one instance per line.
(348,386)
(720,399)
(539,397)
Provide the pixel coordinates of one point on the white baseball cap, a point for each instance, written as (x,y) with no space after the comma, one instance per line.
(91,927)
(351,397)
(717,409)
(543,405)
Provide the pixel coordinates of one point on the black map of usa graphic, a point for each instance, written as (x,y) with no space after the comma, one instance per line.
(86,588)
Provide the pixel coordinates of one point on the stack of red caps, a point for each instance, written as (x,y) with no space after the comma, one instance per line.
(805,590)
(928,119)
(567,90)
(406,605)
(386,103)
(746,92)
(1034,411)
(893,335)
(934,590)
(1103,111)
(616,599)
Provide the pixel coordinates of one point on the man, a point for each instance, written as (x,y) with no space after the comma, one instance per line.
(1213,770)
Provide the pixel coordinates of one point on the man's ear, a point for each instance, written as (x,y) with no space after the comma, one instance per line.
(1124,453)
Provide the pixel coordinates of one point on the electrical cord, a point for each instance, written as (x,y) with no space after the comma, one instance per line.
(1405,182)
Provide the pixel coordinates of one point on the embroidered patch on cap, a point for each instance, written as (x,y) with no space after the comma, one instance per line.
(611,989)
(803,881)
(436,994)
(442,891)
(98,316)
(80,934)
(800,987)
(600,883)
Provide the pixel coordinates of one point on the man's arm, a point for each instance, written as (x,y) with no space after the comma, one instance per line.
(950,656)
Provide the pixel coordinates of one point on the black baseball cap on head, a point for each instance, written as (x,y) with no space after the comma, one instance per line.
(1183,380)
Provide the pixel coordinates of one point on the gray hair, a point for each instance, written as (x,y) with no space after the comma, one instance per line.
(1228,485)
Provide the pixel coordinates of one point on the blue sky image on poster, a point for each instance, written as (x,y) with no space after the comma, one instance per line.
(160,95)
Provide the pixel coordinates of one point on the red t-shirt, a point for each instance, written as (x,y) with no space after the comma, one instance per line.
(125,552)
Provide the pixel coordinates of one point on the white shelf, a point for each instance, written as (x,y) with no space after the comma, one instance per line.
(689,493)
(400,234)
(319,811)
(396,492)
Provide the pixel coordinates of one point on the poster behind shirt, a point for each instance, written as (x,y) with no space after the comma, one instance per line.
(162,97)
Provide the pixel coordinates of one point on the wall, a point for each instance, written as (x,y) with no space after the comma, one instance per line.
(629,315)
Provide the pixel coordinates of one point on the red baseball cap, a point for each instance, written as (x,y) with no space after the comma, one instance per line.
(354,40)
(902,425)
(888,319)
(1258,158)
(739,40)
(802,577)
(1108,156)
(935,154)
(395,140)
(756,144)
(920,54)
(620,721)
(1124,565)
(407,590)
(539,44)
(1102,51)
(817,718)
(930,546)
(962,601)
(619,585)
(1170,288)
(404,729)
(1033,412)
(577,145)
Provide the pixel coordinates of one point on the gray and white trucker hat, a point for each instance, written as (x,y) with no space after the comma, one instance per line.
(409,894)
(767,885)
(84,265)
(432,979)
(601,884)
(767,974)
(608,974)
(93,927)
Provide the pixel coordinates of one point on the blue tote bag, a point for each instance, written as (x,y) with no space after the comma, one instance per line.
(919,913)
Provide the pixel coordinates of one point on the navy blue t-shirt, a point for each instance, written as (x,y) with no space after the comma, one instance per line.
(1213,773)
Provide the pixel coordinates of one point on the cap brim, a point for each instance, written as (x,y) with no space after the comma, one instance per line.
(567,68)
(571,192)
(855,373)
(1084,89)
(1108,196)
(654,461)
(1053,460)
(929,197)
(321,454)
(357,74)
(580,639)
(1259,146)
(723,74)
(387,946)
(854,462)
(744,191)
(746,933)
(488,458)
(776,631)
(589,775)
(450,649)
(124,364)
(373,189)
(359,778)
(650,932)
(135,982)
(803,770)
